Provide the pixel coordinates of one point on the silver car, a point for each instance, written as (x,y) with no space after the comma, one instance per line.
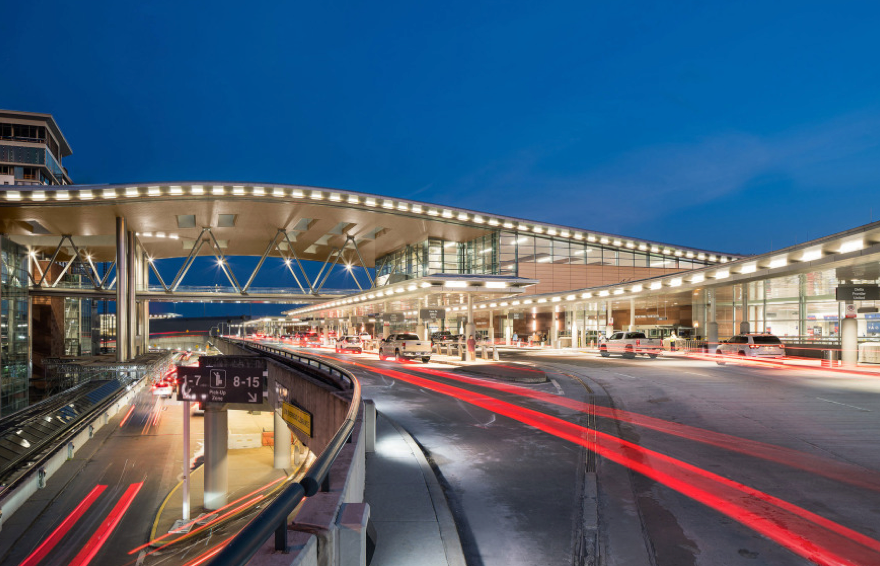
(750,346)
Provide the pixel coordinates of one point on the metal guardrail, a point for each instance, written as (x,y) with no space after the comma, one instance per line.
(273,519)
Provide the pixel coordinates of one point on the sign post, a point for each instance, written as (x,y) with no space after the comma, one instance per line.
(185,507)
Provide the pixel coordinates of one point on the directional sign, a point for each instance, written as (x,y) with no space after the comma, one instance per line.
(221,385)
(858,292)
(432,314)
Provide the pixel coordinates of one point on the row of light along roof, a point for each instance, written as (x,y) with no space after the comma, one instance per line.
(847,245)
(397,289)
(99,193)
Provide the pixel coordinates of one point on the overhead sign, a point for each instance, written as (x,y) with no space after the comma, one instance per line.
(428,314)
(516,316)
(392,317)
(858,292)
(221,384)
(296,417)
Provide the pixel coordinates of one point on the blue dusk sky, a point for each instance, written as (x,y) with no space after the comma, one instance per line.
(731,126)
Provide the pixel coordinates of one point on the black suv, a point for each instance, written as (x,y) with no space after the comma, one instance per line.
(443,336)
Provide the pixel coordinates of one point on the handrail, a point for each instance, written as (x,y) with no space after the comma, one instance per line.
(273,519)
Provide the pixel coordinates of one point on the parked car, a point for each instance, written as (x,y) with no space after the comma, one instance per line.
(750,346)
(442,336)
(405,346)
(350,344)
(630,344)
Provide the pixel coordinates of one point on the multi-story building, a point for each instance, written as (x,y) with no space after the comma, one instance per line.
(31,149)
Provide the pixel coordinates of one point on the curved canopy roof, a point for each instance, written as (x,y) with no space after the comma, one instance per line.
(245,218)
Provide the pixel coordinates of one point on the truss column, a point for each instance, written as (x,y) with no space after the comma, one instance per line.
(122,328)
(132,275)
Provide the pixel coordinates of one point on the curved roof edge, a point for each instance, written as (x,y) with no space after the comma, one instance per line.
(93,194)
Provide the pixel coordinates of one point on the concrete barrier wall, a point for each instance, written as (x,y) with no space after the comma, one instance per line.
(327,405)
(331,527)
(30,483)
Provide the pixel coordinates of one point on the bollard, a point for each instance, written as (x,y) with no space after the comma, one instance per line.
(70,450)
(41,478)
(91,431)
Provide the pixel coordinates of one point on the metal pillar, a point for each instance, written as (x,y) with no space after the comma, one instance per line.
(491,327)
(711,325)
(132,275)
(632,314)
(281,442)
(470,329)
(744,326)
(216,444)
(849,341)
(122,352)
(185,487)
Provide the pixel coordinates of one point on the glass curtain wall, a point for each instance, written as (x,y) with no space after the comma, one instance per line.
(502,252)
(14,320)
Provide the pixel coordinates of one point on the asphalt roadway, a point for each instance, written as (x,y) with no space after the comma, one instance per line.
(667,462)
(734,464)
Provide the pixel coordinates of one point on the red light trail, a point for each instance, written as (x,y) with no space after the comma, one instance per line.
(793,458)
(94,544)
(805,533)
(47,545)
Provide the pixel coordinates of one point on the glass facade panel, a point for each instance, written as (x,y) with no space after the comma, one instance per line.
(14,323)
(502,252)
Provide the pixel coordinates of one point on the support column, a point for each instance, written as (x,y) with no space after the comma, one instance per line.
(281,442)
(632,314)
(491,327)
(554,328)
(711,325)
(470,328)
(609,322)
(122,327)
(849,340)
(744,326)
(132,258)
(216,445)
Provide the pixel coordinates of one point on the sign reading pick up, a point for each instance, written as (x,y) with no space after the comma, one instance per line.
(858,293)
(221,384)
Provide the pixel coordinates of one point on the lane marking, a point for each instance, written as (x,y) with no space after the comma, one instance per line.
(626,375)
(556,385)
(845,405)
(64,527)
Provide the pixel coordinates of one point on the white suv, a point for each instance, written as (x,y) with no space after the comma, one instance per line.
(751,346)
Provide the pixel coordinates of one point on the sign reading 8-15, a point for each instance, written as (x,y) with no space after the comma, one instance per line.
(221,385)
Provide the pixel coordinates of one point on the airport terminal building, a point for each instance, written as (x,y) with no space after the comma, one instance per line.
(412,266)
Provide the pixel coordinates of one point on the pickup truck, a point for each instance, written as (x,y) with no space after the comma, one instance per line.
(628,344)
(402,346)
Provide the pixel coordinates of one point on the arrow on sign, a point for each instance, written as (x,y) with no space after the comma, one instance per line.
(252,398)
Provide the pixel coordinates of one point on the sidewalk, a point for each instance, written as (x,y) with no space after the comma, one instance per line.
(407,505)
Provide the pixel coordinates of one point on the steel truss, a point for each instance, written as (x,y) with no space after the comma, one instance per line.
(290,258)
(92,273)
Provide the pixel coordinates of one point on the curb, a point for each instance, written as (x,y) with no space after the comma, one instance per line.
(445,521)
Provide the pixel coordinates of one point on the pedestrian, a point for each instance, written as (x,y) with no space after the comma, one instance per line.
(516,338)
(471,347)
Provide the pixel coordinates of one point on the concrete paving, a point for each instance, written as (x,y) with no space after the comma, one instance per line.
(407,505)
